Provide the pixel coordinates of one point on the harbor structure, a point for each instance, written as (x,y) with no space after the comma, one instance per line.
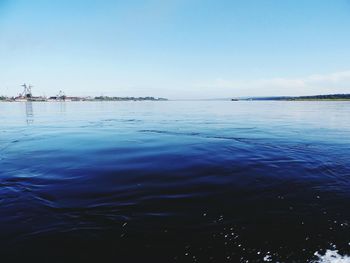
(27,96)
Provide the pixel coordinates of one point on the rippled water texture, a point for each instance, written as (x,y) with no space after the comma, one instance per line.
(174,181)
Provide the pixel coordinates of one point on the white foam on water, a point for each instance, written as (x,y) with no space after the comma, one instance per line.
(331,256)
(267,258)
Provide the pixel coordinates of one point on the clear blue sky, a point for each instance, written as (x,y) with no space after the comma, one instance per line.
(175,49)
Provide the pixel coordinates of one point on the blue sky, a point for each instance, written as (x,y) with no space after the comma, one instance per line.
(175,49)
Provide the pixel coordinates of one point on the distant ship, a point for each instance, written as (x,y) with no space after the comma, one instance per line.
(60,97)
(26,95)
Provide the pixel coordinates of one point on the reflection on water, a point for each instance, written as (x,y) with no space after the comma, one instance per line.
(62,106)
(175,181)
(29,112)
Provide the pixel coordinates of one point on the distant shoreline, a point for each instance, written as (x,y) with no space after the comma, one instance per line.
(76,99)
(318,100)
(330,97)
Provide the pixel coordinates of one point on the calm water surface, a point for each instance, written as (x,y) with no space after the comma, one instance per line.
(174,181)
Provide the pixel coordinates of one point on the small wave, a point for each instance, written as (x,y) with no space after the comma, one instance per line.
(197,134)
(172,132)
(331,256)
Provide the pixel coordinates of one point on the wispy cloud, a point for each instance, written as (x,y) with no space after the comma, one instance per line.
(337,82)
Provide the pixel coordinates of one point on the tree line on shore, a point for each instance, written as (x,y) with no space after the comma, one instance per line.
(314,97)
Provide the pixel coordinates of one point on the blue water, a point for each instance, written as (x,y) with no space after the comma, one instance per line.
(174,181)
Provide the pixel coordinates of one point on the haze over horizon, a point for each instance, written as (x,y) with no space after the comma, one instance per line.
(175,49)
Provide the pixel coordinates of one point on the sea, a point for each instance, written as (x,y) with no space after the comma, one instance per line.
(175,181)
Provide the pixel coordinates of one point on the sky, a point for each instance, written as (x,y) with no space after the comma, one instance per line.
(177,49)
